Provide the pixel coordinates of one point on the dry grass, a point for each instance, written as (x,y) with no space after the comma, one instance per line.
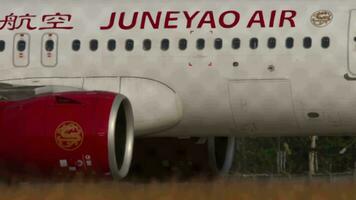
(193,190)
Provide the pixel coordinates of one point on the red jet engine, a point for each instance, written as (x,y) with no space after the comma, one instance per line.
(67,133)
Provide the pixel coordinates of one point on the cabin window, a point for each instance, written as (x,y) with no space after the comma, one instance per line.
(21,45)
(165,44)
(272,42)
(94,45)
(49,45)
(218,43)
(289,43)
(325,42)
(254,43)
(111,45)
(129,46)
(307,42)
(183,43)
(236,43)
(200,44)
(147,44)
(2,45)
(76,45)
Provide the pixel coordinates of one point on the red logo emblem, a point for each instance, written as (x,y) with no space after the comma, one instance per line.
(69,136)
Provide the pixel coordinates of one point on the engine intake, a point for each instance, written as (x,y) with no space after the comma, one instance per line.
(120,137)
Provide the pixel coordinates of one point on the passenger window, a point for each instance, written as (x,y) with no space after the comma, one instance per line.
(307,42)
(325,42)
(129,45)
(94,45)
(2,45)
(21,46)
(272,42)
(254,43)
(236,43)
(200,44)
(218,43)
(147,44)
(111,45)
(183,43)
(49,45)
(76,45)
(165,44)
(289,43)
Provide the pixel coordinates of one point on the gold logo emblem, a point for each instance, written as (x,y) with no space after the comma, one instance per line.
(69,135)
(321,18)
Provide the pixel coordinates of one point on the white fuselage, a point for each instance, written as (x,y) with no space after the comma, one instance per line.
(242,88)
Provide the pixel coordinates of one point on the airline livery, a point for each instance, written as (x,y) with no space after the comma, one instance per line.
(79,80)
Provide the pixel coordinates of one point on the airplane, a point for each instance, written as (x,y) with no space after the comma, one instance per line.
(80,80)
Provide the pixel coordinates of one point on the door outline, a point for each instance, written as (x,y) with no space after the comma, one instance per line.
(43,48)
(27,49)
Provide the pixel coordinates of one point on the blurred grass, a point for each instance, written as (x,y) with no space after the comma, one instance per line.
(192,190)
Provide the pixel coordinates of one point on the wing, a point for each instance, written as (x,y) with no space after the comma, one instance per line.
(18,92)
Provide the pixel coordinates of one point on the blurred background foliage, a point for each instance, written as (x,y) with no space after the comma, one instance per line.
(259,155)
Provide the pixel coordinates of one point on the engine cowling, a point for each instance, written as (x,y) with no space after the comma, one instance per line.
(221,152)
(67,133)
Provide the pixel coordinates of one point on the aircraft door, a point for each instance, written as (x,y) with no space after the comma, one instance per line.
(21,54)
(49,51)
(352,43)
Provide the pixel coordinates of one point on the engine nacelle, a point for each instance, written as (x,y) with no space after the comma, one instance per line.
(65,133)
